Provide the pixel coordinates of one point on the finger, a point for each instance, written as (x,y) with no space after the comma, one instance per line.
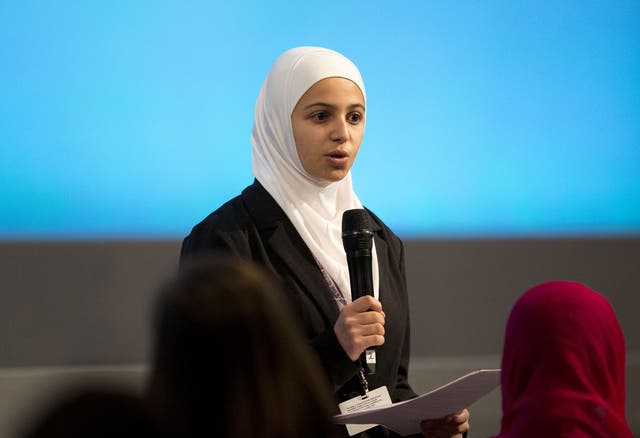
(459,418)
(454,419)
(365,318)
(363,324)
(360,344)
(353,327)
(371,329)
(365,303)
(353,334)
(453,428)
(372,341)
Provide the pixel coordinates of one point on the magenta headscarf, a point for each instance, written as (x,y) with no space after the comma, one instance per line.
(563,366)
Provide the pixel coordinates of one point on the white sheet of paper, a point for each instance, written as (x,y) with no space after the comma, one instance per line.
(405,417)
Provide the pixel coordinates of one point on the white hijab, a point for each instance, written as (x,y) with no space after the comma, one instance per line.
(314,207)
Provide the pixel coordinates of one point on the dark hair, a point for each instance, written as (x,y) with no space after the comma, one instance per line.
(95,413)
(229,361)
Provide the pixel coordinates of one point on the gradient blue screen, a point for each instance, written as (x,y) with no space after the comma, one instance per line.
(132,119)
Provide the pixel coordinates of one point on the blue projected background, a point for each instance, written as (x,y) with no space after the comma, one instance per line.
(132,119)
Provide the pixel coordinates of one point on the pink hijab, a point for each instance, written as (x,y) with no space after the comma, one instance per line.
(563,366)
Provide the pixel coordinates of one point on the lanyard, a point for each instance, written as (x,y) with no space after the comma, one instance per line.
(333,286)
(363,382)
(342,301)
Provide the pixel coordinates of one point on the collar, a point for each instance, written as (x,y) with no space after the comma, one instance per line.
(266,212)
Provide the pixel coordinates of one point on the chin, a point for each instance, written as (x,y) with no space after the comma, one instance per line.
(335,176)
(328,175)
(325,180)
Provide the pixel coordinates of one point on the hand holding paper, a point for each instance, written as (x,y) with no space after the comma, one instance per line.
(405,417)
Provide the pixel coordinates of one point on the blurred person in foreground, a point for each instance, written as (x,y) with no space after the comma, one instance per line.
(229,361)
(95,413)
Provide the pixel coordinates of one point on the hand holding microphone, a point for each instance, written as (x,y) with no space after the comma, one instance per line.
(360,325)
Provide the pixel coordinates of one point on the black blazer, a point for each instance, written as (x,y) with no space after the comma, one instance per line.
(254,227)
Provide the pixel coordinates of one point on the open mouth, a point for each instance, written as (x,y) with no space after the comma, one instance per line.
(338,155)
(338,159)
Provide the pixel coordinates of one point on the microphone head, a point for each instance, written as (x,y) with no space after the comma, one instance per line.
(355,220)
(356,230)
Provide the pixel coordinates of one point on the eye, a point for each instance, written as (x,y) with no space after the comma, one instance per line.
(320,116)
(354,118)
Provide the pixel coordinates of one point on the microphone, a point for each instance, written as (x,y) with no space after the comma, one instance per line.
(357,239)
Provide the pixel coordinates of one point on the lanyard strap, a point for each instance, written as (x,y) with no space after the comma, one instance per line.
(342,301)
(333,286)
(363,381)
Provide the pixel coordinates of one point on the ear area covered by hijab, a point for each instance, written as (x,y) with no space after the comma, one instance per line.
(314,207)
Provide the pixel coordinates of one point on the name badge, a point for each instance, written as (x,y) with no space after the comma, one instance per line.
(373,399)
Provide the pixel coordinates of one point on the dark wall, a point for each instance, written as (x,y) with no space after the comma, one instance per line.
(462,291)
(83,303)
(75,303)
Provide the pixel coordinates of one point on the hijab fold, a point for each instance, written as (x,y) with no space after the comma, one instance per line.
(314,207)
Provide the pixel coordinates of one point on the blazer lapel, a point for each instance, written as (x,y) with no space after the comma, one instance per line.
(382,251)
(289,246)
(287,243)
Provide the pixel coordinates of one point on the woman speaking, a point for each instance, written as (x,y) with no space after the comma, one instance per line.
(308,126)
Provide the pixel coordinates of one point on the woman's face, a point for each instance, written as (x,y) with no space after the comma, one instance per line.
(328,125)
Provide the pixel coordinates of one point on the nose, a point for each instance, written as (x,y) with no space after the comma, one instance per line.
(340,131)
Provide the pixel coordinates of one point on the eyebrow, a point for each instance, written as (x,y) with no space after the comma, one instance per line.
(328,105)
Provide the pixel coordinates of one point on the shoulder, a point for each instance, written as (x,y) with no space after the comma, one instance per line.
(254,207)
(394,246)
(227,228)
(237,226)
(230,216)
(384,232)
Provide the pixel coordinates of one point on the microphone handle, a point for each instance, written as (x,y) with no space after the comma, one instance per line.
(360,273)
(361,280)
